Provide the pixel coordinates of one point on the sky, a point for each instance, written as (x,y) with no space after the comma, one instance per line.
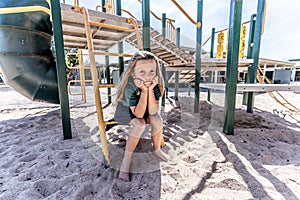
(280,40)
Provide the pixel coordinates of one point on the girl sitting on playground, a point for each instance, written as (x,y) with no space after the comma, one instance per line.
(138,95)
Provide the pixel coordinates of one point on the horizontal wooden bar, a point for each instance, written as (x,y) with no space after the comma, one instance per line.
(118,28)
(107,85)
(107,123)
(113,54)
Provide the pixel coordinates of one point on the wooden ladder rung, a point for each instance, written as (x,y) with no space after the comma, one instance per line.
(112,122)
(107,85)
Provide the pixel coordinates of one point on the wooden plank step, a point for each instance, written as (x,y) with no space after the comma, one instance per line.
(154,33)
(159,38)
(176,49)
(73,27)
(68,14)
(165,41)
(172,59)
(167,55)
(162,53)
(164,48)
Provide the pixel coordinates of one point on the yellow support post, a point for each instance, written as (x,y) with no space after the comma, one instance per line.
(226,42)
(220,45)
(82,75)
(101,123)
(242,42)
(76,3)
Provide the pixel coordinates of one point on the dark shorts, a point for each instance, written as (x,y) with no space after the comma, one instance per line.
(124,115)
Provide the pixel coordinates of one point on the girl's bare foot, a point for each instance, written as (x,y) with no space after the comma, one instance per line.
(124,176)
(161,155)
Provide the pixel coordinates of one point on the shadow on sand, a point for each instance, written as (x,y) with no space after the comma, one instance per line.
(181,127)
(259,144)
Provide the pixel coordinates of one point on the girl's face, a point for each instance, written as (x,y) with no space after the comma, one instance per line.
(145,70)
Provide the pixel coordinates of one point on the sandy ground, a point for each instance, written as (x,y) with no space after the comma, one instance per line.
(260,161)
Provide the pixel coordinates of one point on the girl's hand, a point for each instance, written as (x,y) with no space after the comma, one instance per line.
(154,82)
(140,84)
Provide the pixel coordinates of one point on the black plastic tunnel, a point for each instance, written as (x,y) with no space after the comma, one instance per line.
(26,59)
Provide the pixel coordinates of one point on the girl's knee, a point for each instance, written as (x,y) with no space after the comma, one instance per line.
(138,123)
(138,127)
(156,120)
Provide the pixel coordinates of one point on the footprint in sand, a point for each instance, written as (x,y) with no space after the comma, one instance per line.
(189,159)
(28,158)
(26,177)
(64,154)
(229,183)
(119,188)
(45,187)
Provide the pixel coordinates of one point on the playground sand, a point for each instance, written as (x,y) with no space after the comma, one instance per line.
(260,161)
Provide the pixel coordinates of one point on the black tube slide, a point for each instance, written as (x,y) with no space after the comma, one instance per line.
(26,59)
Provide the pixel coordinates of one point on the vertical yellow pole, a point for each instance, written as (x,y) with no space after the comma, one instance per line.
(226,43)
(242,42)
(96,87)
(76,3)
(220,45)
(82,75)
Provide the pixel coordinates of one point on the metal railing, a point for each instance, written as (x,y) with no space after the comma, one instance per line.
(75,2)
(170,28)
(110,7)
(185,14)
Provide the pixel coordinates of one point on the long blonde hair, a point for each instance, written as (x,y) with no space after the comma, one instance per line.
(140,55)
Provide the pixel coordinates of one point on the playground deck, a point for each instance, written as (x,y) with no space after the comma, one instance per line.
(74,32)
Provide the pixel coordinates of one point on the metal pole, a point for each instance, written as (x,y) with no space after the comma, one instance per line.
(256,48)
(120,44)
(107,71)
(212,42)
(61,68)
(178,37)
(103,4)
(146,24)
(198,55)
(177,72)
(249,52)
(251,37)
(107,68)
(209,95)
(163,68)
(163,24)
(176,85)
(232,64)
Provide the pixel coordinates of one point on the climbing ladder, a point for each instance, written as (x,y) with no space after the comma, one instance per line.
(275,94)
(97,32)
